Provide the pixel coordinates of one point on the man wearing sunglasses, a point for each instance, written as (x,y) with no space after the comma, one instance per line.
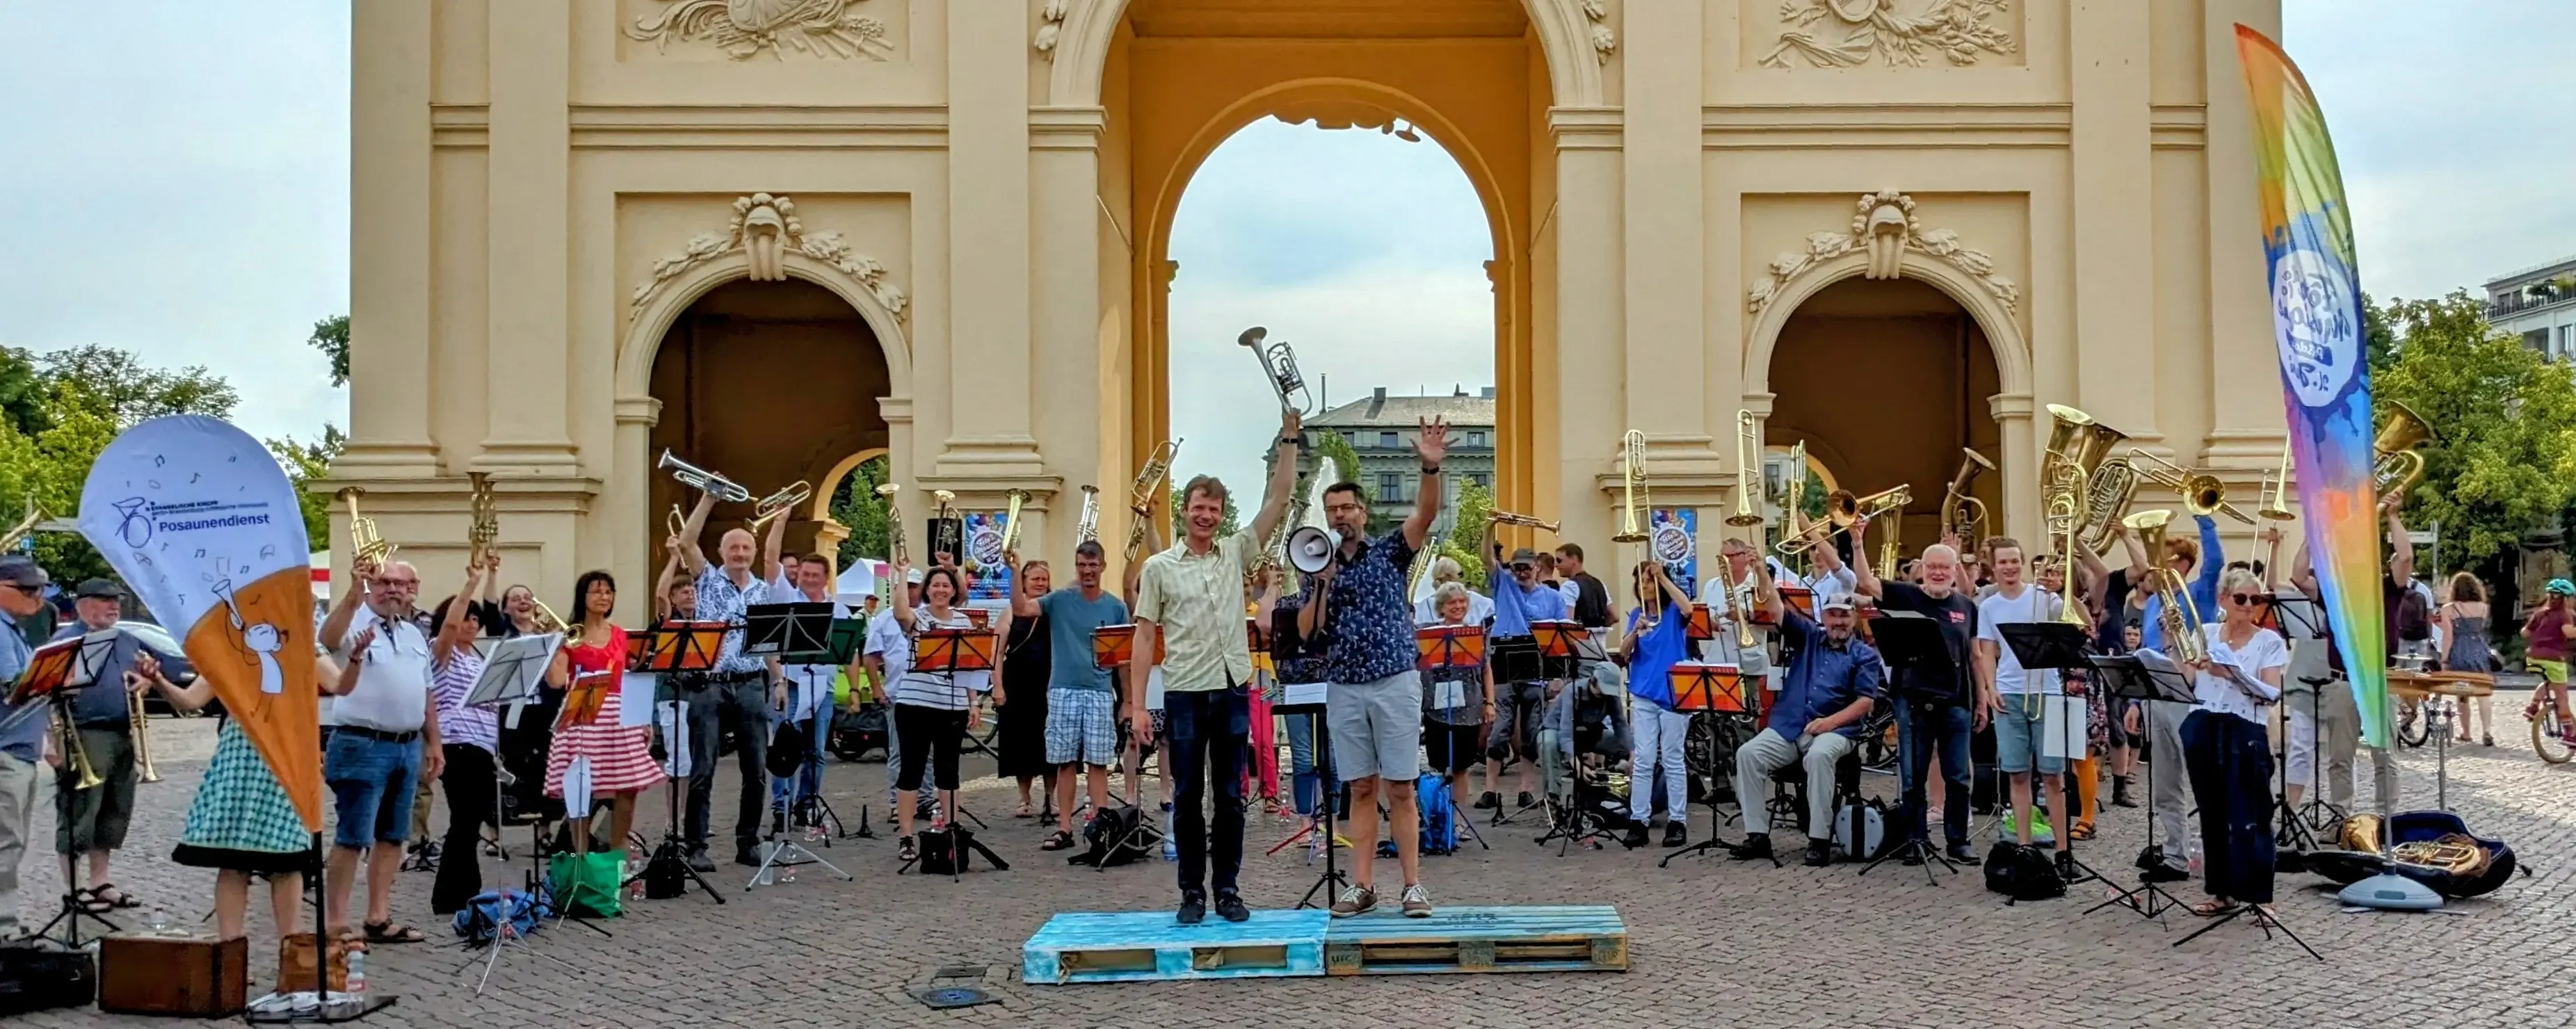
(22,731)
(1519,599)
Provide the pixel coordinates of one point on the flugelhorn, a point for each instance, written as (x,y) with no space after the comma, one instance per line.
(702,480)
(1512,518)
(485,525)
(1011,520)
(776,504)
(365,542)
(1086,527)
(894,523)
(1961,514)
(1279,365)
(2400,461)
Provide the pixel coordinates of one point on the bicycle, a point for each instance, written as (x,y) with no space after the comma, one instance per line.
(2548,730)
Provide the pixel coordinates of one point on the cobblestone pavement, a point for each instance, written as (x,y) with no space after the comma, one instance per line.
(1711,942)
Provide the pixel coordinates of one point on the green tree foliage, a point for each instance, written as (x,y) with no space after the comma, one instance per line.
(855,504)
(115,385)
(331,337)
(1467,532)
(2504,460)
(304,463)
(24,395)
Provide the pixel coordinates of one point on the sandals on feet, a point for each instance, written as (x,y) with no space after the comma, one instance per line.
(89,903)
(2214,908)
(392,932)
(1059,840)
(907,850)
(120,900)
(2080,832)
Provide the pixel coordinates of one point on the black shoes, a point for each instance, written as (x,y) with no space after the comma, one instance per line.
(1229,906)
(747,856)
(699,861)
(1193,907)
(2120,792)
(1754,848)
(1636,835)
(1819,853)
(2066,869)
(1490,801)
(2150,857)
(2163,873)
(1676,834)
(1527,800)
(1962,853)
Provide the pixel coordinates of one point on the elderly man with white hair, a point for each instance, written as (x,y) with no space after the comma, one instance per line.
(382,741)
(1936,706)
(734,695)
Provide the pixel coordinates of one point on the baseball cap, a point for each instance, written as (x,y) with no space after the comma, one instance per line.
(914,577)
(101,589)
(1837,602)
(19,571)
(1524,556)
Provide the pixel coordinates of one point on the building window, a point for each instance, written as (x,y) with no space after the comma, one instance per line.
(1475,437)
(1387,440)
(1483,480)
(2566,340)
(1390,487)
(2537,339)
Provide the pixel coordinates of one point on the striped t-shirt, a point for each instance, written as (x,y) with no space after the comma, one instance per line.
(947,691)
(449,684)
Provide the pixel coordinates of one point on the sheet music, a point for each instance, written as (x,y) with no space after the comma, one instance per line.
(2063,730)
(1449,695)
(673,719)
(635,699)
(1298,694)
(576,787)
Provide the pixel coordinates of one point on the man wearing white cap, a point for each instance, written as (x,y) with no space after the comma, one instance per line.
(1831,684)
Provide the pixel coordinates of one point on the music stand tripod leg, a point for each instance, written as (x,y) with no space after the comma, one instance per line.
(1332,881)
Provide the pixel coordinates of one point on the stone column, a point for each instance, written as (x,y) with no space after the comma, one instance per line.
(389,233)
(988,241)
(2113,226)
(1591,368)
(529,241)
(634,538)
(1065,297)
(2018,467)
(2247,418)
(1665,281)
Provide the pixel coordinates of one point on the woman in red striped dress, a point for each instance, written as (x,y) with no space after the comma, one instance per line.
(620,756)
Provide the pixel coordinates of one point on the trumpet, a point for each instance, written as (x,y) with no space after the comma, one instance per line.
(2178,615)
(1511,518)
(486,524)
(779,503)
(1961,514)
(1011,520)
(2276,490)
(545,620)
(673,521)
(67,737)
(1086,527)
(1279,365)
(702,480)
(366,544)
(1142,493)
(2201,492)
(2400,462)
(894,523)
(141,729)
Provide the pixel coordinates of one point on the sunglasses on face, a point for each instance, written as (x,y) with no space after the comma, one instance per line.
(2245,598)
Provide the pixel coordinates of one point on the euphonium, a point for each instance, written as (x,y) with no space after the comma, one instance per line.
(545,620)
(702,480)
(141,730)
(1086,526)
(486,524)
(776,504)
(1510,518)
(1279,365)
(1961,514)
(2178,615)
(894,524)
(68,738)
(365,542)
(2400,463)
(1632,484)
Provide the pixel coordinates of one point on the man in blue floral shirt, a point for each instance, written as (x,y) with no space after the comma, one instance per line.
(1373,703)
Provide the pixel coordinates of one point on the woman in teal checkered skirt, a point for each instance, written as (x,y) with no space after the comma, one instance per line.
(242,822)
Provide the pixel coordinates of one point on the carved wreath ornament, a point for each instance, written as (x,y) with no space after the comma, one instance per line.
(1883,227)
(766,230)
(745,29)
(1844,33)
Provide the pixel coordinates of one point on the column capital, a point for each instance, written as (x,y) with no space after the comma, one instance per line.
(646,411)
(2007,406)
(895,410)
(1760,403)
(1586,128)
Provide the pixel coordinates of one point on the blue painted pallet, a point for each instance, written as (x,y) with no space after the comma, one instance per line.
(1588,938)
(1128,946)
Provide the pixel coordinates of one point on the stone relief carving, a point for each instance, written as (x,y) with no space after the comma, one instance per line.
(745,29)
(1884,228)
(1903,32)
(1050,25)
(765,228)
(1603,42)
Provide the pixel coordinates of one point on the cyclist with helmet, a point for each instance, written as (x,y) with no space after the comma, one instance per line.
(2545,650)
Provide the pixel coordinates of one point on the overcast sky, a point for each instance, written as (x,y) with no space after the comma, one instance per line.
(174,180)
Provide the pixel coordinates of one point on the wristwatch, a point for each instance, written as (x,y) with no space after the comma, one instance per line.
(1291,441)
(1431,469)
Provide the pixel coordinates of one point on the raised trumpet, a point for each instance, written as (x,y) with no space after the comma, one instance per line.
(779,503)
(894,523)
(702,480)
(1512,518)
(674,522)
(1279,365)
(366,543)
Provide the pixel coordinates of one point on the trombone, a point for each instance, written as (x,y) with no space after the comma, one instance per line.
(545,619)
(1279,365)
(894,523)
(74,751)
(141,730)
(779,503)
(702,480)
(2201,492)
(2276,491)
(1843,509)
(1512,518)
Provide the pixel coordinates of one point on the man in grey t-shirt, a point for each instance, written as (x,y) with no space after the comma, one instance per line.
(1082,706)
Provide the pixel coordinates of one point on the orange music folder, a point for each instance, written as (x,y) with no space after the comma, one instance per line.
(583,699)
(1707,687)
(1449,646)
(1113,646)
(1701,626)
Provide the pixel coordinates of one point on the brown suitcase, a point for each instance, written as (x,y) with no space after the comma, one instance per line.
(173,975)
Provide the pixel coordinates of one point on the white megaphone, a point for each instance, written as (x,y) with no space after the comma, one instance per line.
(1312,547)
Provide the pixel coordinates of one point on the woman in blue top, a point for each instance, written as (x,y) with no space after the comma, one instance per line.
(1657,639)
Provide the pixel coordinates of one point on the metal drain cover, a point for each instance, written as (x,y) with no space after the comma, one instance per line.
(943,998)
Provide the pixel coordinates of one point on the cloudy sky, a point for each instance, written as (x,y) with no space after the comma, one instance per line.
(174,181)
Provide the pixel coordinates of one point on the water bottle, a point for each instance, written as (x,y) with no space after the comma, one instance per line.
(358,973)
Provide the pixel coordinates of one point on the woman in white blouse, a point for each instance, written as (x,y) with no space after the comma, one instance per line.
(2227,753)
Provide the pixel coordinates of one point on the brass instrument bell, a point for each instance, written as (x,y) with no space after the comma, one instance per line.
(894,523)
(2400,462)
(2276,490)
(366,543)
(545,619)
(1086,528)
(702,480)
(778,504)
(1279,366)
(141,729)
(1748,462)
(1011,520)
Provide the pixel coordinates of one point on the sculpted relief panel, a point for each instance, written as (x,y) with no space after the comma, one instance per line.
(742,30)
(1884,227)
(1882,33)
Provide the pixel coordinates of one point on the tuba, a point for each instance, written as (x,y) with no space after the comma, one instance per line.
(2069,470)
(486,524)
(365,542)
(702,480)
(2400,463)
(1142,493)
(1962,514)
(2179,617)
(773,506)
(1086,527)
(1279,365)
(894,523)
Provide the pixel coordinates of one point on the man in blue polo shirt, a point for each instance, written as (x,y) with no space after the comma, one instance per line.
(1832,681)
(22,730)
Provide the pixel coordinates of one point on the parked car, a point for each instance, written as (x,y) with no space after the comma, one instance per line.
(174,666)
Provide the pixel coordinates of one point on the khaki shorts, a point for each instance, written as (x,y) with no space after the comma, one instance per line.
(1377,727)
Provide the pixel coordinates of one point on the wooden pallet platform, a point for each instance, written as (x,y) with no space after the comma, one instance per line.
(1129,946)
(1478,939)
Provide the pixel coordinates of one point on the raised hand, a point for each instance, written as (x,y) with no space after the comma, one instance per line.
(1431,439)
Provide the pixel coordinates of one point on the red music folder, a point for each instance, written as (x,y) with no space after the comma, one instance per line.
(1449,646)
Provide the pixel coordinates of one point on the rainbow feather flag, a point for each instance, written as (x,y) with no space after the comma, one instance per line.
(2325,383)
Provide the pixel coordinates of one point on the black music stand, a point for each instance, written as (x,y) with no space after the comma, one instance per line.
(55,674)
(1452,646)
(785,630)
(2057,646)
(950,651)
(2301,823)
(1910,642)
(2128,678)
(674,648)
(1709,689)
(1320,824)
(1516,660)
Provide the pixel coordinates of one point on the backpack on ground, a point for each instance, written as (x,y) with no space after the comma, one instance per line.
(2022,873)
(1117,836)
(1439,815)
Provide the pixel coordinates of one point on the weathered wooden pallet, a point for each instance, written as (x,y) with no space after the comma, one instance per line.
(1479,939)
(1106,947)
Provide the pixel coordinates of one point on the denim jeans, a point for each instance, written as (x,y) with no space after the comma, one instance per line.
(740,704)
(1920,726)
(1312,784)
(1207,729)
(371,785)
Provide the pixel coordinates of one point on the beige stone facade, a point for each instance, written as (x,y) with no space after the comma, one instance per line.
(780,236)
